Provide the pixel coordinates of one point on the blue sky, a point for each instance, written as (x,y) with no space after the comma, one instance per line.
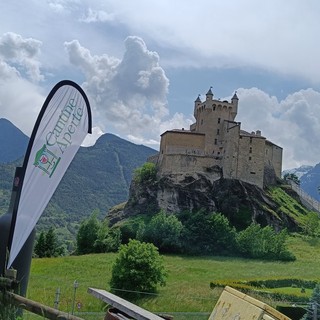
(142,63)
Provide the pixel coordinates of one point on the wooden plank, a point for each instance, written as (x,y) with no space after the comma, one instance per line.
(40,309)
(123,305)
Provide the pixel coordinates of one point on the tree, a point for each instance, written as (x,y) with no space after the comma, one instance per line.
(138,267)
(108,239)
(293,177)
(207,233)
(51,243)
(47,245)
(313,308)
(88,234)
(164,232)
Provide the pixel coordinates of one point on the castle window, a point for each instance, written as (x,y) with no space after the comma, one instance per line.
(250,150)
(266,151)
(218,131)
(219,120)
(215,141)
(250,139)
(214,107)
(249,158)
(252,172)
(201,121)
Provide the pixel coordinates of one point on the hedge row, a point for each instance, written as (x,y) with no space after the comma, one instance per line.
(251,286)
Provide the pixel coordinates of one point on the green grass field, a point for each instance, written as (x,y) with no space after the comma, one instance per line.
(187,288)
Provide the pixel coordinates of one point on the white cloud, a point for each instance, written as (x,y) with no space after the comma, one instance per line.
(22,52)
(20,102)
(292,123)
(97,16)
(129,95)
(214,33)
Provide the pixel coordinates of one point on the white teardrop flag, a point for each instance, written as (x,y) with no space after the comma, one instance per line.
(63,123)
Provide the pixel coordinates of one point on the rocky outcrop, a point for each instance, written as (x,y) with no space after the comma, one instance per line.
(241,202)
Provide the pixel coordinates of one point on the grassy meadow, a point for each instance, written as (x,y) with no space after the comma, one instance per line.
(188,282)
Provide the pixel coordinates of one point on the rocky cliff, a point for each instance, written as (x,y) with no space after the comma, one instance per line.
(241,202)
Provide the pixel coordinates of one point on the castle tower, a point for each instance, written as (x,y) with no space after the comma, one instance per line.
(210,117)
(234,101)
(209,95)
(197,102)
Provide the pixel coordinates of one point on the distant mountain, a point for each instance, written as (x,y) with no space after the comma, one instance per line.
(299,172)
(98,178)
(310,182)
(13,142)
(309,177)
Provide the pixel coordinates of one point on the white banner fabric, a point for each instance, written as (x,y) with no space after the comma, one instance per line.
(63,123)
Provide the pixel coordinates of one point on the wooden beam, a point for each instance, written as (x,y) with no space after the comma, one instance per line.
(123,305)
(40,309)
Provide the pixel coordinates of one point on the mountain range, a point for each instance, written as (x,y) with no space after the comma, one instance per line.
(98,178)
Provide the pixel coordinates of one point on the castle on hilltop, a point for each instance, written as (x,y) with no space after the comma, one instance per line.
(216,140)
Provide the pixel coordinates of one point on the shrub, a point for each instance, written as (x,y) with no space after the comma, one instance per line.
(263,243)
(138,267)
(146,173)
(95,236)
(108,240)
(164,232)
(207,233)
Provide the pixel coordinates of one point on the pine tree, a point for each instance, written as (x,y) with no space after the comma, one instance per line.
(40,247)
(313,308)
(51,243)
(47,245)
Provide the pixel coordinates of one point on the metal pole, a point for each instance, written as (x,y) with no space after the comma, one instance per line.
(75,286)
(57,299)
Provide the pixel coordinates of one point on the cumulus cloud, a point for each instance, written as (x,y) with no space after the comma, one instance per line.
(97,16)
(128,94)
(20,98)
(292,123)
(22,52)
(20,102)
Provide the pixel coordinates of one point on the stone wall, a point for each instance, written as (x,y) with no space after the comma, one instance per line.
(182,163)
(273,157)
(251,159)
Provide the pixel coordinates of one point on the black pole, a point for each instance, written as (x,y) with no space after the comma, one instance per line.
(14,202)
(23,261)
